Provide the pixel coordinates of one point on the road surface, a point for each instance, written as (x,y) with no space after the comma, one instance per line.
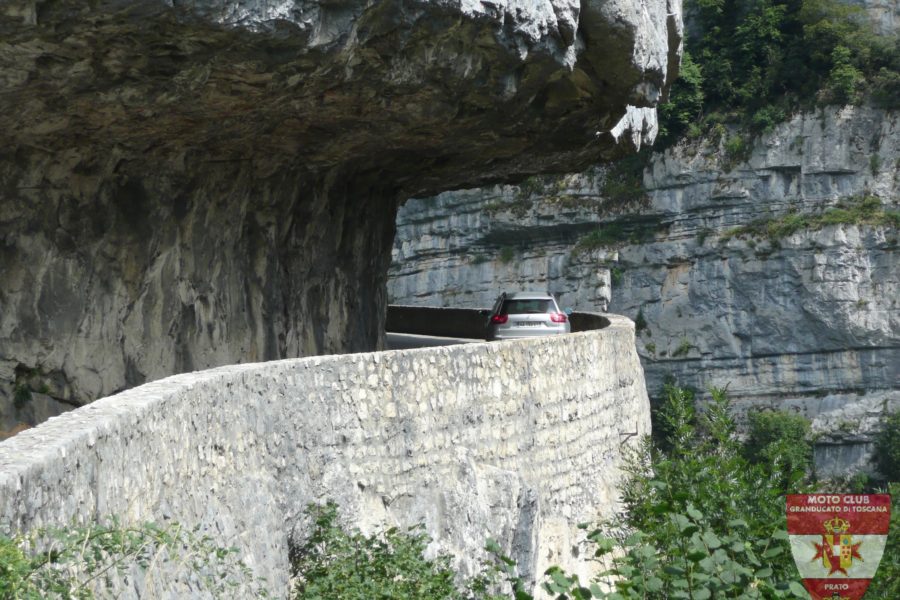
(402,341)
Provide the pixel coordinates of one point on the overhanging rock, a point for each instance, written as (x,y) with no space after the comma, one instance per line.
(190,184)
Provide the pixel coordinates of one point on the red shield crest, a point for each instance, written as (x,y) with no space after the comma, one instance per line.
(837,541)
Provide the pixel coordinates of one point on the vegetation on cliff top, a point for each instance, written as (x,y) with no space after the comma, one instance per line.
(753,62)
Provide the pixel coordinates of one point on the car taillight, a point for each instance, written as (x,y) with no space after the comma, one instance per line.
(558,317)
(499,319)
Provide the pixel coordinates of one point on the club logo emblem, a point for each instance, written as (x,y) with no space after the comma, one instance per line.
(837,541)
(837,549)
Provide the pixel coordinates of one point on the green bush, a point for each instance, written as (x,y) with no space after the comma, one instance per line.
(781,441)
(786,226)
(875,164)
(706,522)
(640,322)
(15,571)
(700,563)
(699,520)
(684,348)
(507,254)
(844,79)
(623,182)
(886,583)
(753,63)
(76,562)
(737,149)
(702,234)
(533,186)
(21,396)
(887,448)
(631,229)
(611,234)
(886,88)
(767,117)
(617,274)
(333,563)
(685,102)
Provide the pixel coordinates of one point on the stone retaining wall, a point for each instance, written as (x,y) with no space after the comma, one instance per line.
(519,441)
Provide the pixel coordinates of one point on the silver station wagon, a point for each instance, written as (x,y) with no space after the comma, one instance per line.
(526,314)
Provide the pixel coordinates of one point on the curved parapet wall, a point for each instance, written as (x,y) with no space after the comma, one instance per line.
(516,440)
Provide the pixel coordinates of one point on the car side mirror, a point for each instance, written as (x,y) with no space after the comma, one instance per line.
(568,311)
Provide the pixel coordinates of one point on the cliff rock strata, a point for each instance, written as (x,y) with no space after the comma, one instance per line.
(774,273)
(192,184)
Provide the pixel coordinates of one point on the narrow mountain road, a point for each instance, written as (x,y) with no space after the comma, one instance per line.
(403,341)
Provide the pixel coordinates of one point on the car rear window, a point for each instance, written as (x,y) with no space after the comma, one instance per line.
(524,307)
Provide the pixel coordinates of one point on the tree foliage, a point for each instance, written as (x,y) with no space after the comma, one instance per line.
(685,102)
(700,520)
(779,440)
(754,61)
(333,563)
(886,583)
(82,562)
(887,448)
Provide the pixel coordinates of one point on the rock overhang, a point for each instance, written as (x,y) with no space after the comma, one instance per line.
(429,94)
(189,184)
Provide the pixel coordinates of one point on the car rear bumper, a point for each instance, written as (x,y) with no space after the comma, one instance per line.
(526,333)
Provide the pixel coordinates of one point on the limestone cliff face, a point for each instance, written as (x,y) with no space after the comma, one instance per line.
(884,14)
(192,184)
(462,248)
(125,279)
(806,318)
